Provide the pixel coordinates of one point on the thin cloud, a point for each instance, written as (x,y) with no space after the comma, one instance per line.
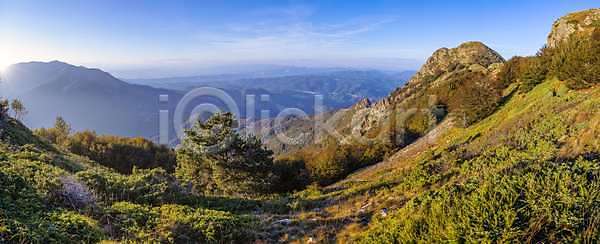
(274,38)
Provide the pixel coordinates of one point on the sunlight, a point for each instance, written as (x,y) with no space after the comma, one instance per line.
(4,64)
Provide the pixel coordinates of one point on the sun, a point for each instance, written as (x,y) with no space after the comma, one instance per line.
(4,66)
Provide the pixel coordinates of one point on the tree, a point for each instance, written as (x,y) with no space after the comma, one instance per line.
(18,108)
(4,106)
(58,135)
(62,128)
(215,159)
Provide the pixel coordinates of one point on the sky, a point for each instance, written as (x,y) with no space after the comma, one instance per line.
(181,37)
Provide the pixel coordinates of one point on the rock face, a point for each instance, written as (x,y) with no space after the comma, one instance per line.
(445,59)
(579,23)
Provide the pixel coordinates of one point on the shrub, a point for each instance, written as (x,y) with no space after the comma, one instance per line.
(332,160)
(57,135)
(480,100)
(526,71)
(291,175)
(153,186)
(577,61)
(39,175)
(529,202)
(119,153)
(71,227)
(21,209)
(178,224)
(534,73)
(129,221)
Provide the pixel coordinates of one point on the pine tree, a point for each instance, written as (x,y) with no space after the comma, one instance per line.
(215,159)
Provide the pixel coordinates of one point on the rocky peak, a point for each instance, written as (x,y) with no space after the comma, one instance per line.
(581,23)
(447,59)
(363,103)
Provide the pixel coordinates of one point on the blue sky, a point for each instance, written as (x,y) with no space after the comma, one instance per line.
(184,35)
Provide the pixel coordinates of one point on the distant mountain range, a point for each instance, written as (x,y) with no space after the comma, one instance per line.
(87,98)
(94,99)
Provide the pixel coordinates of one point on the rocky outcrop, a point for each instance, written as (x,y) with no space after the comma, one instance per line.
(447,59)
(582,23)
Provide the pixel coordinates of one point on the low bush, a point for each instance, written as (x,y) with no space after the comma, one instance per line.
(178,224)
(21,210)
(153,186)
(119,153)
(72,227)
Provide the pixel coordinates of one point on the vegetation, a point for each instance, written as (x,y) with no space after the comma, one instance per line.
(19,109)
(177,224)
(529,186)
(577,61)
(574,61)
(48,195)
(120,153)
(215,159)
(4,107)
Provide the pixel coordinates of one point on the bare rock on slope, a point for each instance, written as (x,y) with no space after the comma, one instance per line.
(582,23)
(447,59)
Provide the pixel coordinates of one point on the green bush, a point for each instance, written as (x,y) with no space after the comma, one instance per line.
(577,61)
(152,186)
(72,227)
(331,161)
(129,221)
(183,224)
(21,209)
(551,202)
(291,175)
(178,224)
(119,153)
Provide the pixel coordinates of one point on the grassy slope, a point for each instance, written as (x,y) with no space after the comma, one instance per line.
(526,172)
(48,195)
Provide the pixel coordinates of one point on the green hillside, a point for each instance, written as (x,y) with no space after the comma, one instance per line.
(528,172)
(48,195)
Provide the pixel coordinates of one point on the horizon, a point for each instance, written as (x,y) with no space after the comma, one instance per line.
(154,40)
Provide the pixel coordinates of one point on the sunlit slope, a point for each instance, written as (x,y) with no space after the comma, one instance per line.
(527,172)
